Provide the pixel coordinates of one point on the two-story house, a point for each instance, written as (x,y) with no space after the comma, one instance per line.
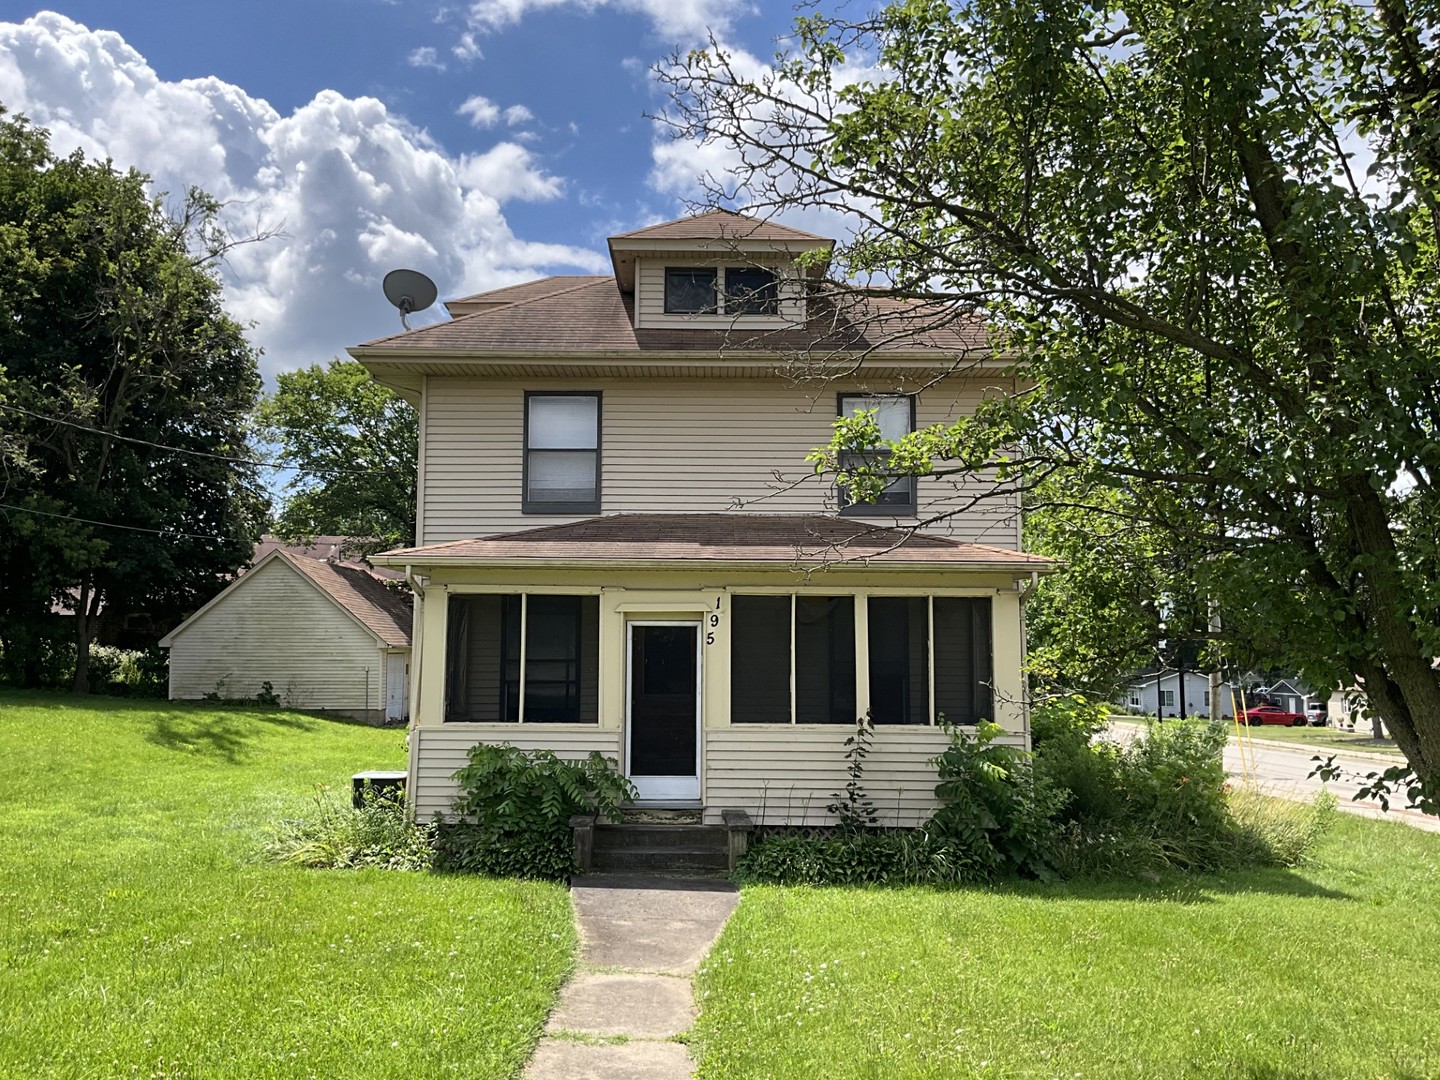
(621,547)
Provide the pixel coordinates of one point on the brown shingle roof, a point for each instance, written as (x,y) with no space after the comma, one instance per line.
(720,224)
(761,538)
(529,290)
(596,317)
(384,610)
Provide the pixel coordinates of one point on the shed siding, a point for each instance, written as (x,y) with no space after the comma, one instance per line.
(274,626)
(439,752)
(787,776)
(650,298)
(681,445)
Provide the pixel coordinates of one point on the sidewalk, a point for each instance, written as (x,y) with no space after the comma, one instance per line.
(641,939)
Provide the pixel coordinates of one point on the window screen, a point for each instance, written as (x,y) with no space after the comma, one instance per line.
(562,650)
(962,659)
(562,453)
(690,290)
(751,291)
(760,659)
(824,660)
(899,659)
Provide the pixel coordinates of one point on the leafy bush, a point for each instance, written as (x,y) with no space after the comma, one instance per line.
(992,804)
(875,858)
(340,836)
(1069,760)
(130,673)
(515,808)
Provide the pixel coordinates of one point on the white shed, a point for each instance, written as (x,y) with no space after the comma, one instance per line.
(326,636)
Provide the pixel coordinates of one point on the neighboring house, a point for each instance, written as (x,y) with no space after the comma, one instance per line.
(1162,690)
(327,636)
(621,547)
(1290,695)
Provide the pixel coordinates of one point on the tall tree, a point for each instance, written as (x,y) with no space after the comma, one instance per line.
(125,391)
(1209,230)
(353,446)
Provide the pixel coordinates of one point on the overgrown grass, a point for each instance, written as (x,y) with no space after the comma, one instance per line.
(1318,972)
(143,931)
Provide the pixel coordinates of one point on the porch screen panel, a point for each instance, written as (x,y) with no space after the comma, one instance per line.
(963,667)
(824,660)
(899,659)
(560,659)
(473,660)
(760,660)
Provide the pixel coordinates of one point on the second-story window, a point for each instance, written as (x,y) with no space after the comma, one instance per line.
(562,453)
(691,290)
(895,416)
(730,290)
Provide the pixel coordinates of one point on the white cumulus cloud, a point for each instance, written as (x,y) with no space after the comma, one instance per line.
(687,21)
(480,111)
(355,189)
(426,57)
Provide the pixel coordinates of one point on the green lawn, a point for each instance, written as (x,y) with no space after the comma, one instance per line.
(1325,738)
(1319,973)
(143,934)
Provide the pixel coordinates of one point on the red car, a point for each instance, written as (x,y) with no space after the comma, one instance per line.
(1271,714)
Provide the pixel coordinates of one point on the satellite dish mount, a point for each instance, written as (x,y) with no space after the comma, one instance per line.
(410,291)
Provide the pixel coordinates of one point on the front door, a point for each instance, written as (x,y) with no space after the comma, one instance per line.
(397,690)
(663,714)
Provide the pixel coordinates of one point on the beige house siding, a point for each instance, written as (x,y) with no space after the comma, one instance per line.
(682,445)
(788,776)
(437,753)
(275,626)
(650,298)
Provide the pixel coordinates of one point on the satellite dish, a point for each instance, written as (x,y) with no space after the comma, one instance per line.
(410,291)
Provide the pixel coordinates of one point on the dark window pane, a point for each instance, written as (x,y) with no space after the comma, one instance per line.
(899,660)
(553,659)
(690,290)
(825,660)
(749,291)
(760,660)
(473,660)
(962,659)
(894,416)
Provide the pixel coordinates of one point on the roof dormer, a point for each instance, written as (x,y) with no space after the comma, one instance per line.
(716,269)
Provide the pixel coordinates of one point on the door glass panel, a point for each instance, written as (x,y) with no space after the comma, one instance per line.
(663,701)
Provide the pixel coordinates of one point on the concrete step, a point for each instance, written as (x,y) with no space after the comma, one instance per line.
(666,859)
(662,815)
(698,837)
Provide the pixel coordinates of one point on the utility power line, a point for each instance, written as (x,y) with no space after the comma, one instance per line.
(113,525)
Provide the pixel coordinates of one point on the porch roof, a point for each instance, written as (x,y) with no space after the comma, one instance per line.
(785,539)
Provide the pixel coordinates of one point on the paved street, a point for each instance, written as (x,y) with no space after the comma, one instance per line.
(1284,770)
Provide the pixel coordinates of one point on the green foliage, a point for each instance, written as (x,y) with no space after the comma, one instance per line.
(130,391)
(341,836)
(1162,802)
(515,808)
(853,808)
(353,445)
(993,805)
(897,857)
(1226,327)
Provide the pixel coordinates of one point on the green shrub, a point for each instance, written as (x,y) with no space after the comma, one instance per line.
(993,806)
(515,808)
(1069,761)
(341,836)
(130,673)
(875,858)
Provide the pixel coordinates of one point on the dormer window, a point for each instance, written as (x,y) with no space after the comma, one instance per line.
(727,290)
(690,290)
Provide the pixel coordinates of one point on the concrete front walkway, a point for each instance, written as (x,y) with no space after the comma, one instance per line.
(641,939)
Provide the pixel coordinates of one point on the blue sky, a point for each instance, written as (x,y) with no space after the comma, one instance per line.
(484,142)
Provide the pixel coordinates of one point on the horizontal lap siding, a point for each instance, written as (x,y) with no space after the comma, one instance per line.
(788,777)
(681,445)
(275,627)
(440,753)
